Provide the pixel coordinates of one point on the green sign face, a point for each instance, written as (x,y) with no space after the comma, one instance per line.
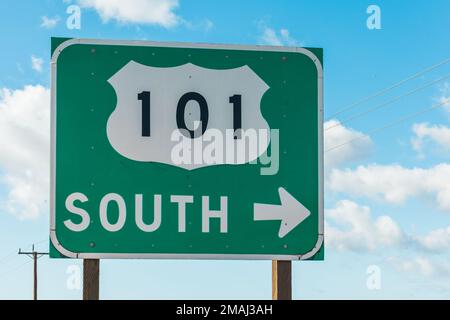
(169,150)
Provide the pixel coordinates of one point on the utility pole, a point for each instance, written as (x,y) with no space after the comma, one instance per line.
(35,256)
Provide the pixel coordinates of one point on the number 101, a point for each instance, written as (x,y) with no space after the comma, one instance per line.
(235,100)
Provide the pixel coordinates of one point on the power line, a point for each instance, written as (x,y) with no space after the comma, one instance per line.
(41,241)
(14,269)
(383,91)
(13,252)
(398,121)
(358,115)
(3,259)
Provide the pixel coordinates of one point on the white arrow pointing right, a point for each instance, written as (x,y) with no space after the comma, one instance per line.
(291,212)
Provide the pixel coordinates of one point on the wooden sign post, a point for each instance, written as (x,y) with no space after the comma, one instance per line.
(281,280)
(91,277)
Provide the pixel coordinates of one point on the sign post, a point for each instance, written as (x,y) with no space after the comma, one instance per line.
(186,151)
(281,280)
(91,279)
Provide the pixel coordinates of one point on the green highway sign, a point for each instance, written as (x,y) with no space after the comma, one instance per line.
(193,151)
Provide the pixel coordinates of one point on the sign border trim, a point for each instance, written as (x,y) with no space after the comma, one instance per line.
(58,246)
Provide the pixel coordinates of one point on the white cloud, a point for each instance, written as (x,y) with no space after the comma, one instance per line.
(355,145)
(20,68)
(37,63)
(423,132)
(157,12)
(353,228)
(49,23)
(286,38)
(437,240)
(271,37)
(394,183)
(445,96)
(420,265)
(24,151)
(205,25)
(350,226)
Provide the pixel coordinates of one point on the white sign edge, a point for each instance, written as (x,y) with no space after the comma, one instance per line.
(76,255)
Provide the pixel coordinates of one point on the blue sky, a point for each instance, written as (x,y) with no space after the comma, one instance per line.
(387,193)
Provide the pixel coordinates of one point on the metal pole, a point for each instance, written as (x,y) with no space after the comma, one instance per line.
(91,272)
(281,280)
